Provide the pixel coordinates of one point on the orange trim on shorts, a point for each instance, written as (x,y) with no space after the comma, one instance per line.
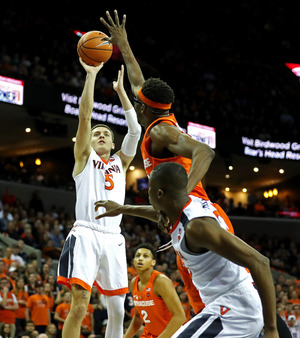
(69,281)
(112,292)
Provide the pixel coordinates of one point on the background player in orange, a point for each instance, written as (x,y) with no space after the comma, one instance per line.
(38,308)
(156,302)
(94,251)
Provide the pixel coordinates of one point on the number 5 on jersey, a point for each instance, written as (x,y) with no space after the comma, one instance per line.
(109,183)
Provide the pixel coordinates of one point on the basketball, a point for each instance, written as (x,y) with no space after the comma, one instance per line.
(92,49)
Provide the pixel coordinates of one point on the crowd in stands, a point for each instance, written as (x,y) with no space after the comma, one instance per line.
(239,86)
(46,230)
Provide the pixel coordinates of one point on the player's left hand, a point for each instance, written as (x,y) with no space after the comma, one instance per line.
(112,208)
(116,30)
(118,85)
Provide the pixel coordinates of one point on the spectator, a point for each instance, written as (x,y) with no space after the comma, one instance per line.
(27,235)
(293,326)
(32,279)
(88,320)
(22,297)
(48,292)
(8,305)
(16,255)
(294,298)
(56,236)
(2,269)
(22,253)
(7,258)
(100,311)
(6,218)
(51,331)
(296,309)
(29,331)
(38,308)
(45,272)
(62,310)
(9,198)
(12,274)
(6,331)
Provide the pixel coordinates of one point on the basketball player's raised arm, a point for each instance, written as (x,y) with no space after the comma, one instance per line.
(119,38)
(115,209)
(131,139)
(82,146)
(206,233)
(166,136)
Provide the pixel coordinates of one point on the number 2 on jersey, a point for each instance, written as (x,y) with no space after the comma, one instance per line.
(145,315)
(109,183)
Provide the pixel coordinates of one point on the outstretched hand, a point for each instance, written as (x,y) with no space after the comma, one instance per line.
(118,85)
(112,208)
(116,30)
(91,69)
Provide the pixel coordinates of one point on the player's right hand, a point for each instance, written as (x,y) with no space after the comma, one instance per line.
(91,69)
(163,222)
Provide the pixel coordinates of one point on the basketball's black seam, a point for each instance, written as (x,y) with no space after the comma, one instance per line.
(90,57)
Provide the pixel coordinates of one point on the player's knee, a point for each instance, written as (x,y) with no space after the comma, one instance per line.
(79,311)
(118,314)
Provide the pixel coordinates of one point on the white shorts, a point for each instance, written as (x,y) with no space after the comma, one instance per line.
(236,314)
(92,257)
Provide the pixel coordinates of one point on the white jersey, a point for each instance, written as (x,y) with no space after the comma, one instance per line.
(212,274)
(99,180)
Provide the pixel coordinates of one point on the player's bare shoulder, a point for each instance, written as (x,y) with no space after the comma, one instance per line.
(164,132)
(161,283)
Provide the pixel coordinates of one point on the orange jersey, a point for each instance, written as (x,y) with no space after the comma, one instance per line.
(21,295)
(39,307)
(8,316)
(152,308)
(151,162)
(7,263)
(63,310)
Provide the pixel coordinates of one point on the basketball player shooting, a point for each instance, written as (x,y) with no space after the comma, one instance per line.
(94,251)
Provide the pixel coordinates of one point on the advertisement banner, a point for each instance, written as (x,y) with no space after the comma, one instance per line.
(11,90)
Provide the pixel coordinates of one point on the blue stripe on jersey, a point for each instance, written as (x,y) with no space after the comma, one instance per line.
(213,330)
(193,327)
(72,245)
(64,258)
(184,219)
